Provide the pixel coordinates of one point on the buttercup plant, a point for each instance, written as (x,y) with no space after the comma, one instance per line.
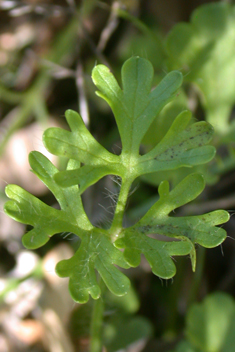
(134,106)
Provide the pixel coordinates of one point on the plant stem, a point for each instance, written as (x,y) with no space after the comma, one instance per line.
(120,208)
(197,278)
(96,324)
(9,96)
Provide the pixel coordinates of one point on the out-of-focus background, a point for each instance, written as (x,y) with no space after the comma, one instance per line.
(47,51)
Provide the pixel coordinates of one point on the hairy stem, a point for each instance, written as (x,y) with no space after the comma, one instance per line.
(96,324)
(120,208)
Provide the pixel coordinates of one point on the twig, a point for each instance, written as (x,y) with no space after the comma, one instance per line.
(83,106)
(111,26)
(58,71)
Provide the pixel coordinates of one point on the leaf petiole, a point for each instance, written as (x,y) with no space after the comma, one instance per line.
(116,227)
(97,322)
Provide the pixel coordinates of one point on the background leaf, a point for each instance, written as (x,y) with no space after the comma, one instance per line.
(210,325)
(204,48)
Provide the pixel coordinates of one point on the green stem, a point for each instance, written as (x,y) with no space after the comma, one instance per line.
(120,208)
(9,96)
(96,324)
(197,277)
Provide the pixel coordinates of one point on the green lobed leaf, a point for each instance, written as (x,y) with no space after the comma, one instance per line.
(193,229)
(157,253)
(78,144)
(27,209)
(181,146)
(156,133)
(95,252)
(165,118)
(86,176)
(136,106)
(46,220)
(68,199)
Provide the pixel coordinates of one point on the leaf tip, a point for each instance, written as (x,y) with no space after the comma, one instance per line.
(164,189)
(177,77)
(71,115)
(33,157)
(12,190)
(224,216)
(7,190)
(31,240)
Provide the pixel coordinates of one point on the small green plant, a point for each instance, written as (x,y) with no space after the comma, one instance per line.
(135,106)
